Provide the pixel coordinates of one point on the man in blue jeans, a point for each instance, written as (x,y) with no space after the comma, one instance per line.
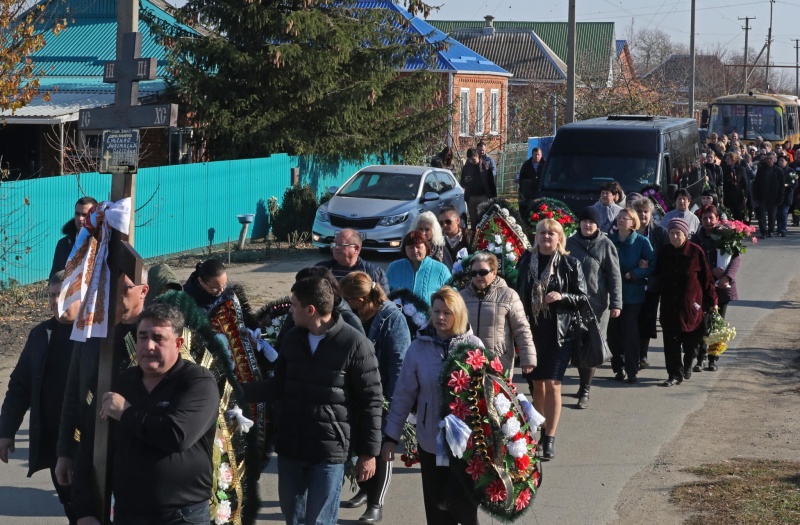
(329,401)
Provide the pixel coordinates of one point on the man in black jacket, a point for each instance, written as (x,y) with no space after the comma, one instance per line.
(327,389)
(165,411)
(38,382)
(528,179)
(768,193)
(70,231)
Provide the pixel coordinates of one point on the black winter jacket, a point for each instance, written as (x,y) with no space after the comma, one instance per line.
(568,281)
(64,247)
(25,391)
(342,308)
(768,186)
(326,399)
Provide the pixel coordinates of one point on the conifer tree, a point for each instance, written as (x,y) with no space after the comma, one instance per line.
(308,77)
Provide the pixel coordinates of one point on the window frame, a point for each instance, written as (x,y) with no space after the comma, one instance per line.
(494,112)
(480,112)
(463,121)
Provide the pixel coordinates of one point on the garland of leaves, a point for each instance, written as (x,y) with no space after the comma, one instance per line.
(557,210)
(197,320)
(504,422)
(653,192)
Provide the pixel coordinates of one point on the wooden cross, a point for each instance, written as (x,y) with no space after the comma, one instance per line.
(126,113)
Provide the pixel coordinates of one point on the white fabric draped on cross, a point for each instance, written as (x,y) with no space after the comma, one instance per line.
(87,280)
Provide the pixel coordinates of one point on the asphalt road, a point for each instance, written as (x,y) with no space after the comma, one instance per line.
(598,450)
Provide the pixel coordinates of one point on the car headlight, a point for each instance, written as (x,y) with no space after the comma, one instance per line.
(393,219)
(323,216)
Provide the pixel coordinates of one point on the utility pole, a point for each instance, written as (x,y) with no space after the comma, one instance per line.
(572,36)
(692,65)
(769,41)
(797,67)
(746,34)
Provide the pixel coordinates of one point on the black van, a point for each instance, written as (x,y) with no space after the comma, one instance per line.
(634,150)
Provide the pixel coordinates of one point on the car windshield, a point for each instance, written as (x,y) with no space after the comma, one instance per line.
(388,186)
(587,173)
(748,121)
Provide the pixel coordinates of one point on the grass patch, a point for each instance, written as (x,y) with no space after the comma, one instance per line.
(742,491)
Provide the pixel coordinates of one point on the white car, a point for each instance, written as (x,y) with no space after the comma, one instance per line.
(381,203)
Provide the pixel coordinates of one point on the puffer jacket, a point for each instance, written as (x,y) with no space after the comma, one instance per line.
(568,281)
(419,381)
(327,399)
(632,250)
(600,264)
(498,319)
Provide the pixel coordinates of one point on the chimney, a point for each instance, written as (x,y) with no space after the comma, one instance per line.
(488,29)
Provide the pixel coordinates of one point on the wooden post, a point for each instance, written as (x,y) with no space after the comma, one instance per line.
(295,176)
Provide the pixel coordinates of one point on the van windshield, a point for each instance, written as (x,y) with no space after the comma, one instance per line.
(587,173)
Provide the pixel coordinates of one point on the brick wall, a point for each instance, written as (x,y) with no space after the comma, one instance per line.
(472,84)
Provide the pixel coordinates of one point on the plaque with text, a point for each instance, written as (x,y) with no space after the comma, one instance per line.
(120,151)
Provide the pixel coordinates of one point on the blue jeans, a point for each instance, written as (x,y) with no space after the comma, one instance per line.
(309,492)
(783,218)
(198,513)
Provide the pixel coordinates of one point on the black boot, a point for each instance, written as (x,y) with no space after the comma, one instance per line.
(359,500)
(373,514)
(712,364)
(548,448)
(583,396)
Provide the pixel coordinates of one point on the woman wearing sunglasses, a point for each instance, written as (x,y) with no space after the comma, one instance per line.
(496,314)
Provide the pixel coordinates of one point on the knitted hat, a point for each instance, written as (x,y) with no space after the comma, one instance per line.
(590,213)
(633,196)
(679,224)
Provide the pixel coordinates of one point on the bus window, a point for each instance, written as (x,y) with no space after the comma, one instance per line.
(791,118)
(765,122)
(727,118)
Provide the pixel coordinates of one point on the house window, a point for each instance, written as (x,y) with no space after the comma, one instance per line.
(463,128)
(494,112)
(479,112)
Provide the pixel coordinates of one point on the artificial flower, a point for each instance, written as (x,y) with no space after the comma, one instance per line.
(496,491)
(502,404)
(511,427)
(476,359)
(459,409)
(223,514)
(476,468)
(523,463)
(219,442)
(518,448)
(509,246)
(459,381)
(496,365)
(224,476)
(523,500)
(498,239)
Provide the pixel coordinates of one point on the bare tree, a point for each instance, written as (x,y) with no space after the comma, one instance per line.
(651,47)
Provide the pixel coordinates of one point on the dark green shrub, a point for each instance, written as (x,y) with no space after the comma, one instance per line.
(296,213)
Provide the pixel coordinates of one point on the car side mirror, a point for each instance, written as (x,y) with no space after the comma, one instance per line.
(430,196)
(333,189)
(671,189)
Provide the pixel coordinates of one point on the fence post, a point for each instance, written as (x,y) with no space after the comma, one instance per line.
(295,176)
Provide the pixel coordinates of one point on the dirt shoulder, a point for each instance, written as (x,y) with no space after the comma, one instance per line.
(751,412)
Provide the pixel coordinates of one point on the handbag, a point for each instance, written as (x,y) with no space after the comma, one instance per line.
(590,348)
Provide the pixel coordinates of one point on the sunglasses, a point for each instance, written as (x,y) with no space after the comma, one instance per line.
(483,272)
(446,222)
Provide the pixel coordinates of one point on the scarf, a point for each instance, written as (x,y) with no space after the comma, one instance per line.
(539,286)
(453,241)
(88,276)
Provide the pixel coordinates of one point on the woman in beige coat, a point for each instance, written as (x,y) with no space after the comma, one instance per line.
(496,314)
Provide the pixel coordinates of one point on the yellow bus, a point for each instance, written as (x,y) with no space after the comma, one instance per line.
(751,115)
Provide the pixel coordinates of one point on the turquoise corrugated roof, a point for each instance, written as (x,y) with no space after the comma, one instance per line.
(457,58)
(76,55)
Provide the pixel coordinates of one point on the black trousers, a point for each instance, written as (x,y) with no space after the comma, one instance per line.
(677,342)
(766,218)
(64,495)
(623,340)
(648,315)
(377,486)
(444,497)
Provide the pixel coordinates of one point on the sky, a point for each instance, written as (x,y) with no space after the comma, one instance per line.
(716,20)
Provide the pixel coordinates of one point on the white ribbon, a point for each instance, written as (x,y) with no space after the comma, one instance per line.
(457,433)
(236,413)
(263,345)
(533,417)
(88,278)
(441,454)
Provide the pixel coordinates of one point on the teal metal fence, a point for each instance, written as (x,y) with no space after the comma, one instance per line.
(179,208)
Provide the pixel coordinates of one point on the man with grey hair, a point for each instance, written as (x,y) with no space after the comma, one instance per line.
(347,259)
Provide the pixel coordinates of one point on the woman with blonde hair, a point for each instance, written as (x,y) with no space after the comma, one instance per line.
(551,287)
(427,223)
(387,328)
(446,501)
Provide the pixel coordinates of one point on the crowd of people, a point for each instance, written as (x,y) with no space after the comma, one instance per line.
(346,349)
